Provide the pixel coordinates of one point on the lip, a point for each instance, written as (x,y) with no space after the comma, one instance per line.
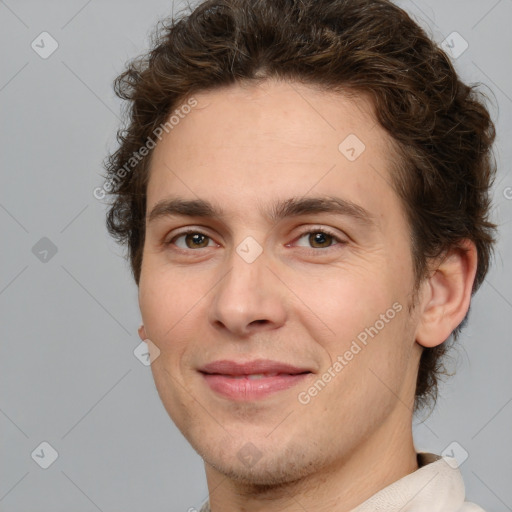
(256,366)
(242,381)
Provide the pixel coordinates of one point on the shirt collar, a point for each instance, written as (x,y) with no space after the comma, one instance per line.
(436,486)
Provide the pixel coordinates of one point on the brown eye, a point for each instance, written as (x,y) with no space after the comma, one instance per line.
(319,239)
(196,240)
(192,239)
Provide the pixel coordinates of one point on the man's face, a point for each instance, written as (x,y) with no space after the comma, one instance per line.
(308,289)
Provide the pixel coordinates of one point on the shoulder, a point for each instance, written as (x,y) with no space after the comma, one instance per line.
(206,507)
(470,507)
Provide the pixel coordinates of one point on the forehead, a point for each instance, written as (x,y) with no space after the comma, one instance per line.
(302,117)
(274,140)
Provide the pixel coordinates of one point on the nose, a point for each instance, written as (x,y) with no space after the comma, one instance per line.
(249,298)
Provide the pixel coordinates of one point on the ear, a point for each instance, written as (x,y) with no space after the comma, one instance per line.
(446,295)
(142,332)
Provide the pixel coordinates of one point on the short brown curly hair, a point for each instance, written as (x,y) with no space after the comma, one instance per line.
(440,126)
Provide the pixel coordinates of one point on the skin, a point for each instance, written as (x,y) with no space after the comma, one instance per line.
(299,302)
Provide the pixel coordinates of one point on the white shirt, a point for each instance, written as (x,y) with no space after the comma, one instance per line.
(436,486)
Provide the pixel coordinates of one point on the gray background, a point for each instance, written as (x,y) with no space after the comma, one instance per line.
(68,375)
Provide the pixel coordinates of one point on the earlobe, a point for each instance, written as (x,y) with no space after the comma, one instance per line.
(447,295)
(142,332)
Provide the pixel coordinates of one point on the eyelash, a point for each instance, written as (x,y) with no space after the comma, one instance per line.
(310,231)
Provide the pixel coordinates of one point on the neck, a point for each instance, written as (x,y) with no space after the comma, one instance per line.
(378,462)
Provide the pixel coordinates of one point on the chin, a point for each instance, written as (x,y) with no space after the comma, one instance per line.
(271,471)
(266,476)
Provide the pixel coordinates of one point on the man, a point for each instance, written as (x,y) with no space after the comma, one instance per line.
(306,210)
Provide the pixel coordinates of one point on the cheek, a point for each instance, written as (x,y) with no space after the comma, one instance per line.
(369,375)
(164,314)
(344,300)
(360,316)
(165,305)
(162,298)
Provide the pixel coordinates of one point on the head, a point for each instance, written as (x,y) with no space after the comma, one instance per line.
(252,109)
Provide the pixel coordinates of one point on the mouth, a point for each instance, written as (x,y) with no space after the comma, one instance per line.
(251,380)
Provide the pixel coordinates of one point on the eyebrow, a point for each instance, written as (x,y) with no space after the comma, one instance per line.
(292,207)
